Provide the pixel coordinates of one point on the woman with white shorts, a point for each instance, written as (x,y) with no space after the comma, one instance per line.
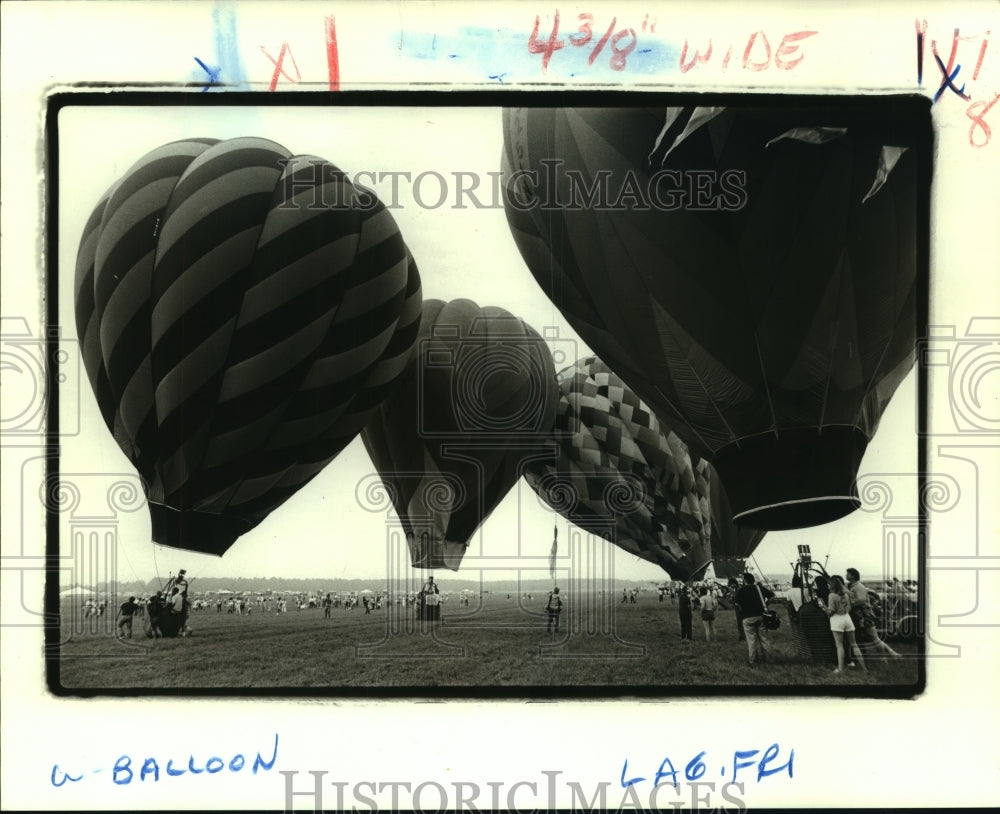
(838,607)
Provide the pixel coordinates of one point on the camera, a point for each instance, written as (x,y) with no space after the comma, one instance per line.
(972,366)
(490,381)
(31,365)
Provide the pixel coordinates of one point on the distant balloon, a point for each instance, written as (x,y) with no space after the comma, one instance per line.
(241,312)
(750,272)
(619,474)
(478,398)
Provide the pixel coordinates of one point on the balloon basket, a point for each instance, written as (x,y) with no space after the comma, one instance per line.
(811,634)
(429,612)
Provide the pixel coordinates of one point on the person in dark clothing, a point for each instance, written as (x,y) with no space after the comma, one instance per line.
(125,614)
(751,600)
(156,609)
(429,609)
(684,610)
(734,588)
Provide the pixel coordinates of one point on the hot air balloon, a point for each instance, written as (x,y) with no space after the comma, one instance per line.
(619,474)
(749,272)
(477,399)
(241,312)
(732,545)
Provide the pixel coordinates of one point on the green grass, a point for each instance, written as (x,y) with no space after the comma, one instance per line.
(501,644)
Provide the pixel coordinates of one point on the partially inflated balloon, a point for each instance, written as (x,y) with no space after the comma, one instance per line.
(477,399)
(619,474)
(241,313)
(731,544)
(750,272)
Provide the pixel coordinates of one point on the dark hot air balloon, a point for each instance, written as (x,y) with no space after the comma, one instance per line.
(732,545)
(749,272)
(241,312)
(477,399)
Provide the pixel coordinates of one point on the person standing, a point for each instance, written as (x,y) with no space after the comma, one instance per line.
(178,607)
(734,588)
(838,607)
(862,614)
(684,611)
(157,607)
(554,607)
(709,605)
(752,601)
(429,596)
(125,614)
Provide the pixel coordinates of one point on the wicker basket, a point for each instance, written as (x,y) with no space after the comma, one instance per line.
(811,634)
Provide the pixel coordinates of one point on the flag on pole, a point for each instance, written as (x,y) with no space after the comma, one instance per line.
(554,551)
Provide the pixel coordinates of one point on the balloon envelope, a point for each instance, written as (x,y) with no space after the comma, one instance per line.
(750,272)
(619,474)
(731,544)
(478,397)
(241,311)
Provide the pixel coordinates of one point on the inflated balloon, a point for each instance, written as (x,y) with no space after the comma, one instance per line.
(477,399)
(241,313)
(731,544)
(749,272)
(619,474)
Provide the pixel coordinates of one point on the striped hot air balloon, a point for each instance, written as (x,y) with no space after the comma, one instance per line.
(478,398)
(618,473)
(751,273)
(241,312)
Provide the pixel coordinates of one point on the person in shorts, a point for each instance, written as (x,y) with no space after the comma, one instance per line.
(838,608)
(709,605)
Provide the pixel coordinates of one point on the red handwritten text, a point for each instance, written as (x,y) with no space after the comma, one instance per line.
(757,52)
(951,82)
(616,44)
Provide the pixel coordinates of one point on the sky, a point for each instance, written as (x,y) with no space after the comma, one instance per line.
(336,526)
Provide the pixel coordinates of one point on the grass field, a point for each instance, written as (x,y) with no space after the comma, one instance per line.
(500,643)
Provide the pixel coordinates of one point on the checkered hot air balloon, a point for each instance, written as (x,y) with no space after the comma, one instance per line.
(618,473)
(478,398)
(750,272)
(241,312)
